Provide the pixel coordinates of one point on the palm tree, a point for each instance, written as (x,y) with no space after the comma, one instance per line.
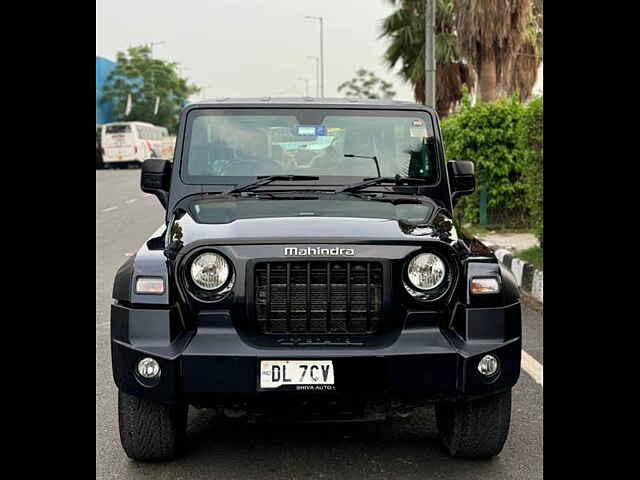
(524,71)
(405,29)
(491,35)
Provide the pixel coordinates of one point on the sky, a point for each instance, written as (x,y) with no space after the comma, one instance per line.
(253,48)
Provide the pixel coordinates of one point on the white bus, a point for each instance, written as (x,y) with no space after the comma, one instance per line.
(133,142)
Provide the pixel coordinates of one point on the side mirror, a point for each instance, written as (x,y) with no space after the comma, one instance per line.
(156,178)
(462,178)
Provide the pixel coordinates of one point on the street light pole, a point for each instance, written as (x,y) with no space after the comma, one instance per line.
(306,85)
(317,74)
(430,53)
(321,52)
(203,89)
(151,44)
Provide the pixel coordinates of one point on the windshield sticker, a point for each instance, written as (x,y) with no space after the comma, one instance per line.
(312,130)
(418,129)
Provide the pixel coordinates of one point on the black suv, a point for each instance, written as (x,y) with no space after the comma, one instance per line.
(310,269)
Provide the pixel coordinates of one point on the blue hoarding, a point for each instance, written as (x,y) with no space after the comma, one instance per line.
(104,112)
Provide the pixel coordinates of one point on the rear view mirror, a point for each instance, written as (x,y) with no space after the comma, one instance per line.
(156,178)
(462,178)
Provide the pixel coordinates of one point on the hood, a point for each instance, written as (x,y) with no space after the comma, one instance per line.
(186,231)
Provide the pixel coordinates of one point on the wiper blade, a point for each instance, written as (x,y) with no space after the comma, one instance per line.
(372,157)
(271,178)
(397,180)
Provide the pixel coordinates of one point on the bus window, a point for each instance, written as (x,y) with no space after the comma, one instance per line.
(118,129)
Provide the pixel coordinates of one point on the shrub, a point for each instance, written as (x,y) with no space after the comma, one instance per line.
(530,135)
(489,135)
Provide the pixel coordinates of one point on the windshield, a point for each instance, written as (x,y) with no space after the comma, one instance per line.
(118,129)
(258,142)
(227,211)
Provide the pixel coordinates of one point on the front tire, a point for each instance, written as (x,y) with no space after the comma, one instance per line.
(151,431)
(476,428)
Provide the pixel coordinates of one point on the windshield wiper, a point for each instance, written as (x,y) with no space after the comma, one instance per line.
(271,178)
(373,157)
(397,180)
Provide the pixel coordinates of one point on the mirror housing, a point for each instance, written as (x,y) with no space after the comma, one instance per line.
(156,178)
(462,178)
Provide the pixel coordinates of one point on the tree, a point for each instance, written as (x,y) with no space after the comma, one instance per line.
(405,29)
(367,85)
(145,78)
(491,35)
(524,71)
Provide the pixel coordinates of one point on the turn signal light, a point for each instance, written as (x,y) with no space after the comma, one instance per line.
(152,285)
(485,285)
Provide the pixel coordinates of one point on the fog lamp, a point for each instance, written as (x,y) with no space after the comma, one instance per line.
(488,365)
(148,368)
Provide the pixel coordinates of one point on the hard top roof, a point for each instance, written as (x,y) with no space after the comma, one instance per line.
(310,102)
(132,122)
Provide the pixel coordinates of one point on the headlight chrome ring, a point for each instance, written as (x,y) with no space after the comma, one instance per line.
(427,277)
(208,276)
(426,271)
(209,271)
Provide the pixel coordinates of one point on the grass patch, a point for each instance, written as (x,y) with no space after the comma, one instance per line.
(533,255)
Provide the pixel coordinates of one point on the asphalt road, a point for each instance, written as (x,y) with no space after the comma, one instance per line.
(220,448)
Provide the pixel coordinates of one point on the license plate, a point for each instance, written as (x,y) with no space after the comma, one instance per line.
(311,375)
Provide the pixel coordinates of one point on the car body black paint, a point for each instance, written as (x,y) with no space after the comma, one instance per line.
(210,352)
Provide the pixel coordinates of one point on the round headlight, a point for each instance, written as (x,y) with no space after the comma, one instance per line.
(209,271)
(426,271)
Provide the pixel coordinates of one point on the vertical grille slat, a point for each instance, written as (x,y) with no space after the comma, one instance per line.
(328,293)
(318,297)
(368,296)
(308,296)
(348,306)
(288,303)
(268,295)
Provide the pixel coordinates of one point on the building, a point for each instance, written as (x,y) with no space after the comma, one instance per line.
(104,112)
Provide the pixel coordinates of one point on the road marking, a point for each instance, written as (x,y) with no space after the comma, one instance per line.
(109,209)
(532,367)
(131,200)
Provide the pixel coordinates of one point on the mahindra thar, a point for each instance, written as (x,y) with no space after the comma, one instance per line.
(310,269)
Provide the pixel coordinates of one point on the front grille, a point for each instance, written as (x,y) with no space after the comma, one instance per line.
(318,297)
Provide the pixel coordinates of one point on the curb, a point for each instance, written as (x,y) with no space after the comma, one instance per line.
(528,278)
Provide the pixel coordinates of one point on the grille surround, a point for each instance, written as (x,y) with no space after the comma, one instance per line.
(318,297)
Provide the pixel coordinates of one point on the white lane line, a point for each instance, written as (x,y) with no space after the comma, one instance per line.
(109,209)
(532,367)
(131,200)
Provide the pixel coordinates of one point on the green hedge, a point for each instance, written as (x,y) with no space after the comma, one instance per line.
(530,135)
(500,138)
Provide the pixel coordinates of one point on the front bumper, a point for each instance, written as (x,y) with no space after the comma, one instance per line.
(214,362)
